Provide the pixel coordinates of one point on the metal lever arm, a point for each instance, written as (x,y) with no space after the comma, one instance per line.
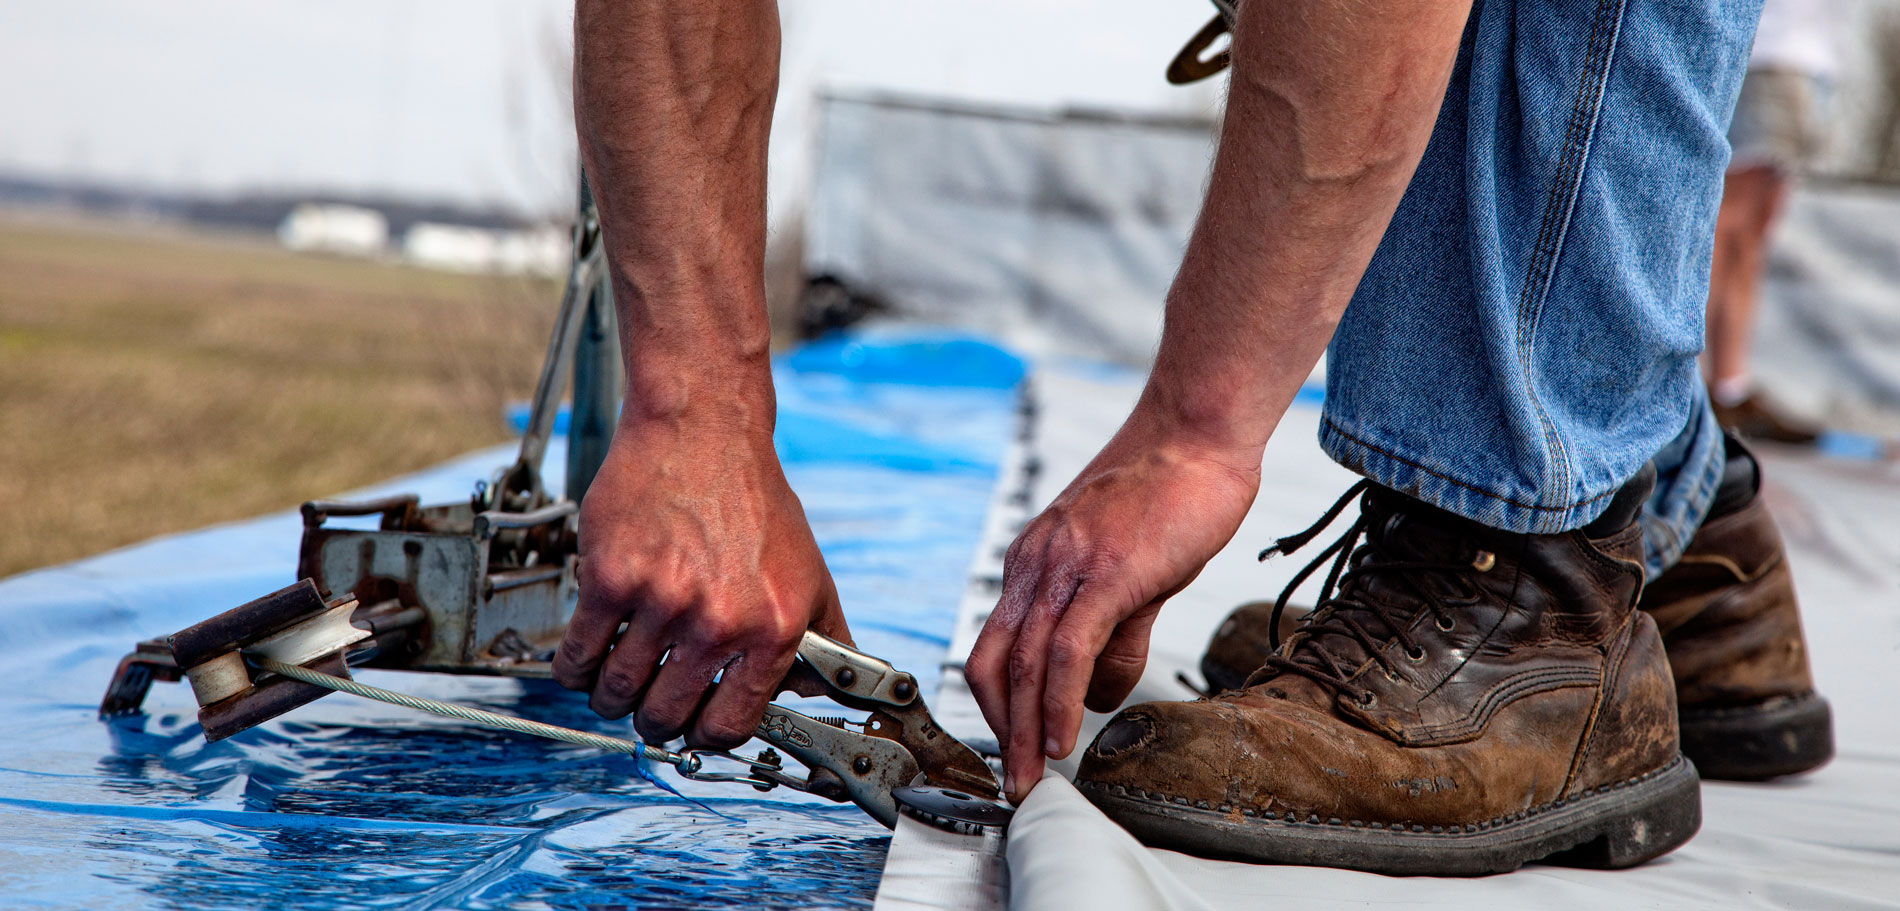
(524,477)
(851,673)
(831,669)
(868,767)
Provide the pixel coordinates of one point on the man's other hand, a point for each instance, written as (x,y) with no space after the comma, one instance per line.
(692,538)
(1083,582)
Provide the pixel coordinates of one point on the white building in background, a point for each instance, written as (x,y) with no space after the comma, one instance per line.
(460,248)
(329,228)
(457,248)
(534,251)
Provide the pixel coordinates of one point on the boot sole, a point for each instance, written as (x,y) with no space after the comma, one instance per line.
(1614,826)
(1759,742)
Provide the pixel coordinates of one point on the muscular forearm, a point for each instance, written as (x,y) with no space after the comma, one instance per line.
(673,102)
(689,535)
(1328,113)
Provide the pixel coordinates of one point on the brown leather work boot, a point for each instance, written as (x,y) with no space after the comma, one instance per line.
(1242,642)
(1470,700)
(1745,700)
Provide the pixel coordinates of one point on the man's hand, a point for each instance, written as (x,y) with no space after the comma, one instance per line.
(1083,582)
(689,533)
(690,536)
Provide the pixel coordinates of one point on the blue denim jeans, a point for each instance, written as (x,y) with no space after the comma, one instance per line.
(1526,336)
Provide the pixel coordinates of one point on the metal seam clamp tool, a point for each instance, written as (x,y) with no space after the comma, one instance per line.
(264,658)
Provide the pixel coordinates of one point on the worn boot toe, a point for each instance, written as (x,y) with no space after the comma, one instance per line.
(1174,752)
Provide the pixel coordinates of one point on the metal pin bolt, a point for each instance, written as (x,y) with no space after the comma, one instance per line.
(904,689)
(767,757)
(846,677)
(861,765)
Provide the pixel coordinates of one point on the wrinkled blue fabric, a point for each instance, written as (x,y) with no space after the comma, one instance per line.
(910,357)
(348,803)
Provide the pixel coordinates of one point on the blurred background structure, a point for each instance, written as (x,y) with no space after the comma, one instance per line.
(251,251)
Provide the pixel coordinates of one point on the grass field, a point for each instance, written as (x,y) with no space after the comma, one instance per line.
(153,382)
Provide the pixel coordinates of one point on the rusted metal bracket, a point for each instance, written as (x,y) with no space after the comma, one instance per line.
(483,586)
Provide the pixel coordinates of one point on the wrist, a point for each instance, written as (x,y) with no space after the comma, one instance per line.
(697,346)
(697,391)
(1224,415)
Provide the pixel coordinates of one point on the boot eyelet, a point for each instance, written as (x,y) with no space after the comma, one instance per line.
(1445,624)
(1415,654)
(1367,698)
(1484,561)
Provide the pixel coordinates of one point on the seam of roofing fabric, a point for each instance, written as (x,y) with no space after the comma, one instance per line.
(891,442)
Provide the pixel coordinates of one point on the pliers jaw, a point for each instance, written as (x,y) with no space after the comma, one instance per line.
(898,745)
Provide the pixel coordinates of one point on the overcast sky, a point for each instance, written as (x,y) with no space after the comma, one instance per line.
(461,100)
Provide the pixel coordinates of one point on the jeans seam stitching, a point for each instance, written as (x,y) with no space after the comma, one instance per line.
(1544,252)
(1328,421)
(1558,206)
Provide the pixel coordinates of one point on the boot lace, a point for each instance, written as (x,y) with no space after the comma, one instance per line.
(1348,612)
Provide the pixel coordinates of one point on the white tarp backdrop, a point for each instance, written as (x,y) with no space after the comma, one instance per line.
(1058,231)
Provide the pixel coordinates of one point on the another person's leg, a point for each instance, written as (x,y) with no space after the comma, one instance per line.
(1751,197)
(1775,129)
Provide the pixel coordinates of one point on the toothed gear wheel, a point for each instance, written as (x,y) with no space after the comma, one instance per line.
(951,810)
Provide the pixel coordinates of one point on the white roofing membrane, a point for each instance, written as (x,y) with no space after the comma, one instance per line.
(1827,840)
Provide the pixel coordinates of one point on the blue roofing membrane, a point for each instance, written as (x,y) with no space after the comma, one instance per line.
(891,443)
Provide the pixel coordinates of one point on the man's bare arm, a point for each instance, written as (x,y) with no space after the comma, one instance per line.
(689,533)
(1328,113)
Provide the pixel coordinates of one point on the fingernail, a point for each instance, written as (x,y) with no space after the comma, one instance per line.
(1009,783)
(1050,748)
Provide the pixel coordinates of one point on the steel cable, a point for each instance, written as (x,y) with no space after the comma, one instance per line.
(474,715)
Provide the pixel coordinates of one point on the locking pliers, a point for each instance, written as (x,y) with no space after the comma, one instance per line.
(898,745)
